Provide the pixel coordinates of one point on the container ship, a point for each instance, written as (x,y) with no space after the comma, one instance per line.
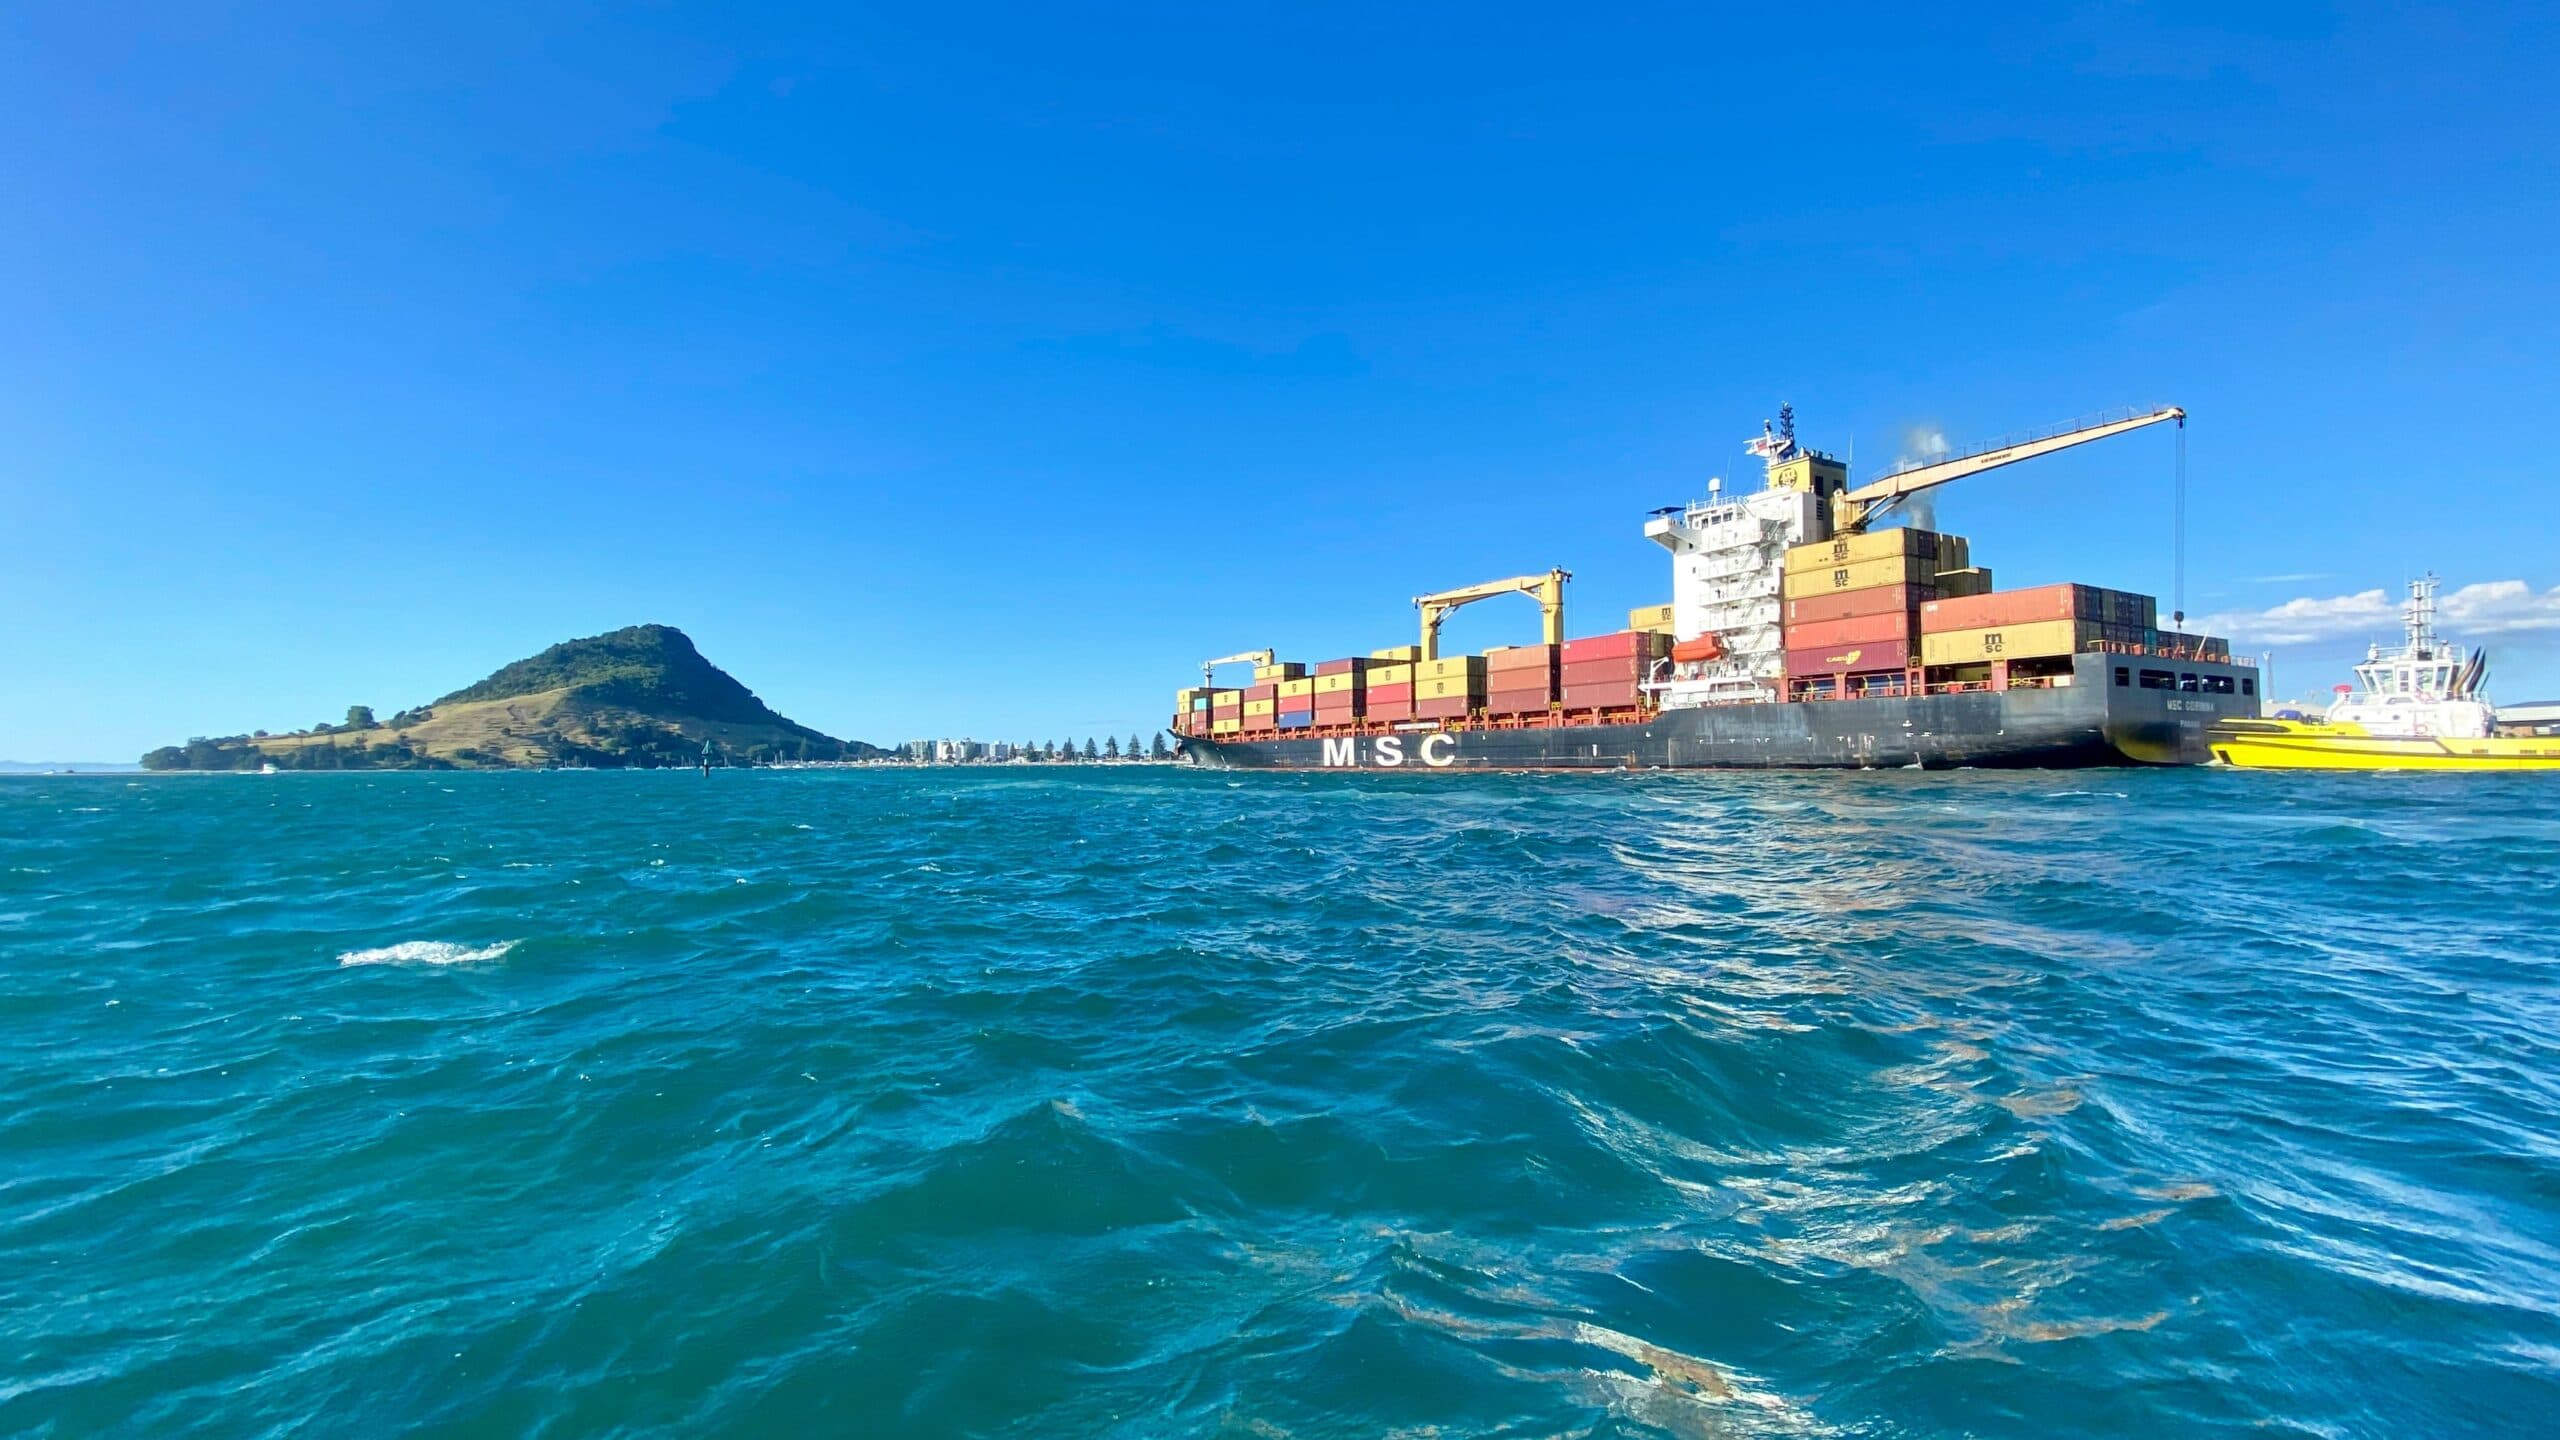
(1803,631)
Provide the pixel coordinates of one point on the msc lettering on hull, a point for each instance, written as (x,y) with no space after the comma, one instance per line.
(1387,752)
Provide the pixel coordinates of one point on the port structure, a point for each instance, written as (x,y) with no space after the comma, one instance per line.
(1547,589)
(1209,668)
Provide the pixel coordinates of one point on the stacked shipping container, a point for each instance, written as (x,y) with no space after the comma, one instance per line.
(1852,604)
(1607,672)
(1520,680)
(2044,622)
(1448,689)
(1340,686)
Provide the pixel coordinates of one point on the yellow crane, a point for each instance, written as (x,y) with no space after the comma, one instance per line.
(1548,590)
(1853,509)
(1209,668)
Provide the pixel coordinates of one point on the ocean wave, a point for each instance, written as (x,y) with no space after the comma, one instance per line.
(428,952)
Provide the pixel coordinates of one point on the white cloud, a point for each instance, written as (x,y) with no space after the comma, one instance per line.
(2493,607)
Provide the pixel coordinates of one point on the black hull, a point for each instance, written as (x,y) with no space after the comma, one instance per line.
(2092,721)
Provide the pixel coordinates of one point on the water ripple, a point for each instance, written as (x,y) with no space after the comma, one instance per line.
(1136,1103)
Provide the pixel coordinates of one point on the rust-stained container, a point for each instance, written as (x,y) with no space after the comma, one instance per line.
(1901,625)
(2031,640)
(1861,575)
(1603,695)
(1846,604)
(1352,666)
(1850,659)
(1943,552)
(2041,602)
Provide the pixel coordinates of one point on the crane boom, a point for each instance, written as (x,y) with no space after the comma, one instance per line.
(1209,668)
(1866,502)
(1548,589)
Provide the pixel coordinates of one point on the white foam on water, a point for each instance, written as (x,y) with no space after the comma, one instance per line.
(427,952)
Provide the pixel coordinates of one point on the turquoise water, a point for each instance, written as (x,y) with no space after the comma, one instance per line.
(1144,1103)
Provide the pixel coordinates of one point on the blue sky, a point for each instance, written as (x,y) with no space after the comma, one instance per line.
(979,372)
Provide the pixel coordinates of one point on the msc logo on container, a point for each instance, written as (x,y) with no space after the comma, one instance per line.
(1387,752)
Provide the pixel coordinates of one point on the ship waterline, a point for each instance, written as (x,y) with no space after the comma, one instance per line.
(2113,710)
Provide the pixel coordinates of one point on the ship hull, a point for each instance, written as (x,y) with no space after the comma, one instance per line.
(2092,721)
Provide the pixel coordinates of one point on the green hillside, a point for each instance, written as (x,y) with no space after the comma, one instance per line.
(639,696)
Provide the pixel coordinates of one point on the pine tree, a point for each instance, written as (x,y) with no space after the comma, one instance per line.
(1132,751)
(1111,748)
(1157,751)
(1089,752)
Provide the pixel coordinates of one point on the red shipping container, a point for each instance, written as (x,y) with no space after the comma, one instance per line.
(1343,667)
(1262,692)
(1517,702)
(1628,668)
(1856,630)
(1602,697)
(1622,645)
(1519,657)
(1400,709)
(1254,723)
(2043,602)
(1390,692)
(1873,600)
(1452,708)
(1891,655)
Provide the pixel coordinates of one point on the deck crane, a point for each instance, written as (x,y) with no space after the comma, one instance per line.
(1209,668)
(1852,510)
(1548,589)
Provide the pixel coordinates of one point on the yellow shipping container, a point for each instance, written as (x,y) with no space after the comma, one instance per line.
(1860,575)
(1225,727)
(1650,617)
(1336,684)
(1391,674)
(1261,707)
(1454,665)
(1297,689)
(1182,698)
(1956,584)
(1398,654)
(1449,687)
(1949,552)
(2034,640)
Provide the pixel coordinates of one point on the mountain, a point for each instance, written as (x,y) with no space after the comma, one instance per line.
(638,696)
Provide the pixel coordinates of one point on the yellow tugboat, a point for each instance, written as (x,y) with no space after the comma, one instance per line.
(2420,708)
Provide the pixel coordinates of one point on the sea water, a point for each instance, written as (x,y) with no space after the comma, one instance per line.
(1145,1102)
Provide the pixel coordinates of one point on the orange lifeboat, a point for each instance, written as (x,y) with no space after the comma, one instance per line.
(1705,647)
